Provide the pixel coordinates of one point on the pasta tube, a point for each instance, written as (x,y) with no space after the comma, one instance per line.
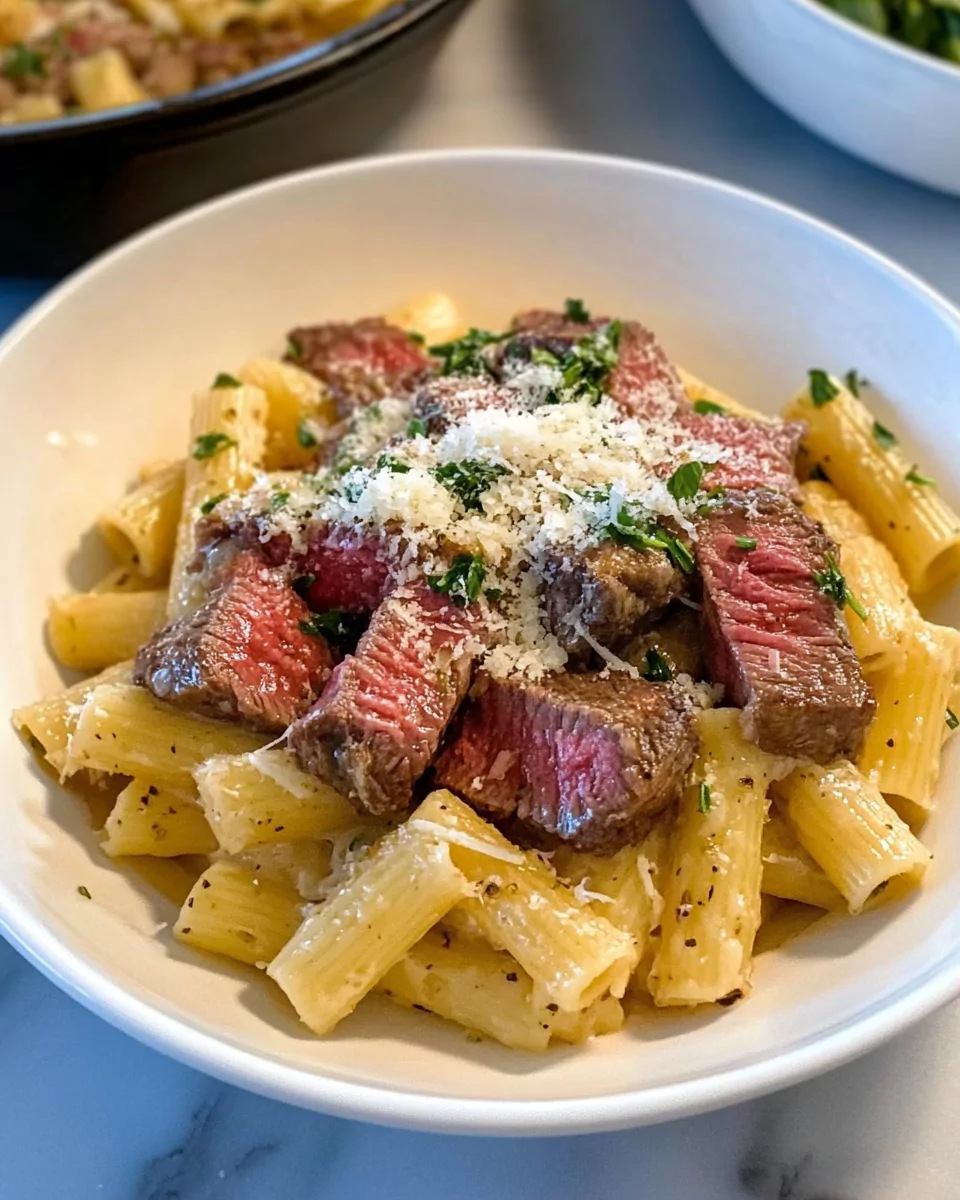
(227,432)
(908,515)
(125,731)
(93,630)
(347,944)
(240,912)
(104,80)
(141,527)
(574,954)
(847,827)
(712,887)
(702,394)
(790,873)
(164,824)
(485,990)
(433,317)
(298,409)
(253,799)
(901,754)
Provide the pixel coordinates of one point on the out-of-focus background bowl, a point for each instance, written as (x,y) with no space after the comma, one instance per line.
(743,292)
(883,101)
(71,187)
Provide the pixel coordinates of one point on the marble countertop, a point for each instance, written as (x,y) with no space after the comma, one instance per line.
(88,1114)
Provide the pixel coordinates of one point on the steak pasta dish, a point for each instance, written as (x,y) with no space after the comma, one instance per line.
(515,676)
(59,57)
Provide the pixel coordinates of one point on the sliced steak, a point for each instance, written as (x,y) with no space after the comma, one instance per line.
(242,653)
(576,759)
(762,454)
(645,382)
(609,591)
(776,642)
(542,329)
(380,719)
(359,362)
(448,398)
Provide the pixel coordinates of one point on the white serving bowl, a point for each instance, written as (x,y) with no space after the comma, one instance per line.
(97,377)
(883,101)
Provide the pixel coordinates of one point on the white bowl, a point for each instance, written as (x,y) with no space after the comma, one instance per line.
(883,101)
(743,291)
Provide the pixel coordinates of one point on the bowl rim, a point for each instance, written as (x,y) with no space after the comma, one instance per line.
(316,62)
(152,1025)
(869,37)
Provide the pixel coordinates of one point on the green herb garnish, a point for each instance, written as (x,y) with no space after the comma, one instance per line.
(207,445)
(302,584)
(914,476)
(745,543)
(817,472)
(84,892)
(656,667)
(223,380)
(469,479)
(705,799)
(885,438)
(305,438)
(416,428)
(822,388)
(586,367)
(707,408)
(294,349)
(463,581)
(417,338)
(464,356)
(278,500)
(386,462)
(574,311)
(341,628)
(685,482)
(832,581)
(855,382)
(643,533)
(952,719)
(20,61)
(208,506)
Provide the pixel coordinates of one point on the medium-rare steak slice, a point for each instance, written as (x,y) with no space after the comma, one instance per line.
(380,719)
(609,591)
(576,759)
(645,382)
(361,361)
(243,653)
(448,398)
(762,453)
(777,642)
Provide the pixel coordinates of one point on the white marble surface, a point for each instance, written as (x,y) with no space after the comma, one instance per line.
(86,1112)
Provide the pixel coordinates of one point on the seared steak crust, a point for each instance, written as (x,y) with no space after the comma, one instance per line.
(243,653)
(776,642)
(576,759)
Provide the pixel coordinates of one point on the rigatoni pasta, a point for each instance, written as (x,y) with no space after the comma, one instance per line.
(141,527)
(90,631)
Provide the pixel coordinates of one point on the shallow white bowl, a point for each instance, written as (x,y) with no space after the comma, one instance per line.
(743,291)
(885,102)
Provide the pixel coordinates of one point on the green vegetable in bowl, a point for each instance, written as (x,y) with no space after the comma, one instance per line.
(930,25)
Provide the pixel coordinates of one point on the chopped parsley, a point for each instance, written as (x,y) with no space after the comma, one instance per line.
(469,479)
(462,583)
(822,388)
(223,380)
(685,482)
(294,349)
(208,445)
(386,462)
(817,472)
(302,584)
(707,408)
(952,719)
(855,382)
(305,437)
(643,533)
(705,798)
(417,338)
(574,311)
(341,628)
(914,476)
(885,438)
(585,367)
(20,61)
(278,500)
(656,667)
(465,356)
(832,581)
(417,428)
(208,506)
(84,892)
(745,543)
